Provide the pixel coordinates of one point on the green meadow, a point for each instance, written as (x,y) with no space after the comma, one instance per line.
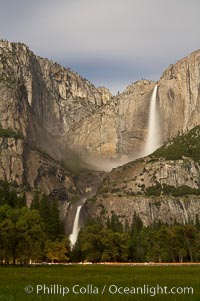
(93,282)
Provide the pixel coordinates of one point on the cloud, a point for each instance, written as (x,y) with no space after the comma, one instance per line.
(118,31)
(114,73)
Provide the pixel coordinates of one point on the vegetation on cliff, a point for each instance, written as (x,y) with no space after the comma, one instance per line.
(181,147)
(165,189)
(185,145)
(9,133)
(172,170)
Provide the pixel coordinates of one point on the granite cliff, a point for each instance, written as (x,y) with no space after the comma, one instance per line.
(120,127)
(60,111)
(40,102)
(54,124)
(179,96)
(164,186)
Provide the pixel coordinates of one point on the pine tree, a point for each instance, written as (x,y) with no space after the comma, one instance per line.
(36,201)
(55,227)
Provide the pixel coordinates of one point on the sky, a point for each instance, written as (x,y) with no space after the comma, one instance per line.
(112,43)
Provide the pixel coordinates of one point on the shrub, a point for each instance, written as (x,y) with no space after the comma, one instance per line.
(187,145)
(185,190)
(8,133)
(154,190)
(180,190)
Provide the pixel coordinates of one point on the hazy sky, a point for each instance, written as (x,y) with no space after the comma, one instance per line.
(110,42)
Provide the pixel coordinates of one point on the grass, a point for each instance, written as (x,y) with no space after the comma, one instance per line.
(14,279)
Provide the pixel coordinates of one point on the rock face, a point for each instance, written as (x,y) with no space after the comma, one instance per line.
(36,171)
(136,176)
(43,100)
(150,210)
(60,111)
(11,153)
(39,102)
(163,186)
(120,128)
(123,191)
(117,130)
(53,123)
(179,96)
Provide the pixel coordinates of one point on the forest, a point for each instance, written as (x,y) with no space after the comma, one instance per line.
(156,243)
(32,234)
(36,235)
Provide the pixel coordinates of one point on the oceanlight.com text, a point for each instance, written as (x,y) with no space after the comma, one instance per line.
(109,289)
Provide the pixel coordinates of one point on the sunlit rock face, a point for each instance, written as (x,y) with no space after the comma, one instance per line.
(39,102)
(123,192)
(120,129)
(57,109)
(59,122)
(179,96)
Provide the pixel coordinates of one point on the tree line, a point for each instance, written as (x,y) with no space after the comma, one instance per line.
(36,234)
(136,243)
(30,234)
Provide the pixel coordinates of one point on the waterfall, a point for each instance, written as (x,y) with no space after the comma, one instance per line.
(76,227)
(153,139)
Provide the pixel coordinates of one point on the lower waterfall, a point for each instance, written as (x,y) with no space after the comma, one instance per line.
(76,227)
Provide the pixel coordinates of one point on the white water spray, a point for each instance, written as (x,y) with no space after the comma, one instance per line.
(153,137)
(76,227)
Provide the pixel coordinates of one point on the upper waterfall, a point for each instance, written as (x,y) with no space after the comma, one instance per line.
(153,137)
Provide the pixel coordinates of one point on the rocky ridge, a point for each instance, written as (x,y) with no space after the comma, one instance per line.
(69,110)
(179,96)
(55,123)
(164,186)
(39,102)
